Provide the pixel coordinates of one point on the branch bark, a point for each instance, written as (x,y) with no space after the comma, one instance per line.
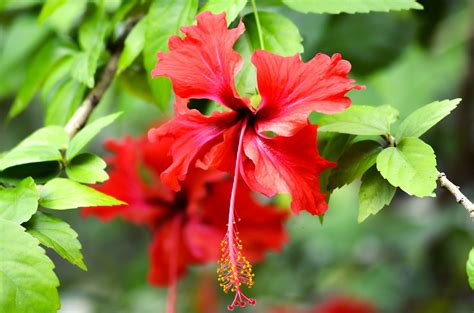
(82,114)
(456,192)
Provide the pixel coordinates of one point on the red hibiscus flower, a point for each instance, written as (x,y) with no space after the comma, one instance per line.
(188,225)
(270,144)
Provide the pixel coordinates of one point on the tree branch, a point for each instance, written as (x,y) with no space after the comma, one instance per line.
(80,117)
(454,190)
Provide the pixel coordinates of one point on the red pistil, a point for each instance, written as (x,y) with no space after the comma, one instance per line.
(234,269)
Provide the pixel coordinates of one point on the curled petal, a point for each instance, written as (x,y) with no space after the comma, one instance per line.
(287,165)
(203,63)
(194,135)
(291,89)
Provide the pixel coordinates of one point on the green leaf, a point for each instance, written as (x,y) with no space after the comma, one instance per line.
(355,161)
(232,8)
(164,19)
(20,203)
(351,6)
(87,168)
(35,76)
(64,102)
(27,281)
(91,38)
(42,145)
(411,166)
(375,193)
(358,120)
(133,46)
(88,133)
(49,7)
(56,234)
(470,268)
(64,194)
(246,78)
(280,35)
(421,120)
(41,172)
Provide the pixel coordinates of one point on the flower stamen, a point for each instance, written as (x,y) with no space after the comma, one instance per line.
(234,268)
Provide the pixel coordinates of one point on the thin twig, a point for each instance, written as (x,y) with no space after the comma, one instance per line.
(454,190)
(80,117)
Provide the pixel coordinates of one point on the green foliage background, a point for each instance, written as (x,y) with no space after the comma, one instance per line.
(409,258)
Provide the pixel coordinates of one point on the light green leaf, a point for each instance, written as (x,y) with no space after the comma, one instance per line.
(91,130)
(87,168)
(231,7)
(42,145)
(64,194)
(355,161)
(27,281)
(54,136)
(421,120)
(280,35)
(358,120)
(133,46)
(351,6)
(64,102)
(164,19)
(49,7)
(375,193)
(20,203)
(91,38)
(56,234)
(470,268)
(411,166)
(246,78)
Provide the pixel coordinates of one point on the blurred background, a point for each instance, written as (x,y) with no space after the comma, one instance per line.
(409,258)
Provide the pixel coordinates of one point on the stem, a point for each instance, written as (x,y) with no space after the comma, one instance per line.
(454,190)
(259,27)
(173,268)
(80,117)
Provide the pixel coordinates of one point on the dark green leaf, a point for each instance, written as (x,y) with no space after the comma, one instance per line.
(375,193)
(20,203)
(27,281)
(355,161)
(411,166)
(358,120)
(56,234)
(231,7)
(351,6)
(87,168)
(421,120)
(64,194)
(164,19)
(84,136)
(133,46)
(41,172)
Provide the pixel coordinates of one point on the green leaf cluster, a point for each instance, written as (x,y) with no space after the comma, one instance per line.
(384,158)
(27,280)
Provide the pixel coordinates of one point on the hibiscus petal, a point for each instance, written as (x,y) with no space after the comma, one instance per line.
(126,184)
(194,136)
(203,64)
(291,89)
(287,165)
(169,256)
